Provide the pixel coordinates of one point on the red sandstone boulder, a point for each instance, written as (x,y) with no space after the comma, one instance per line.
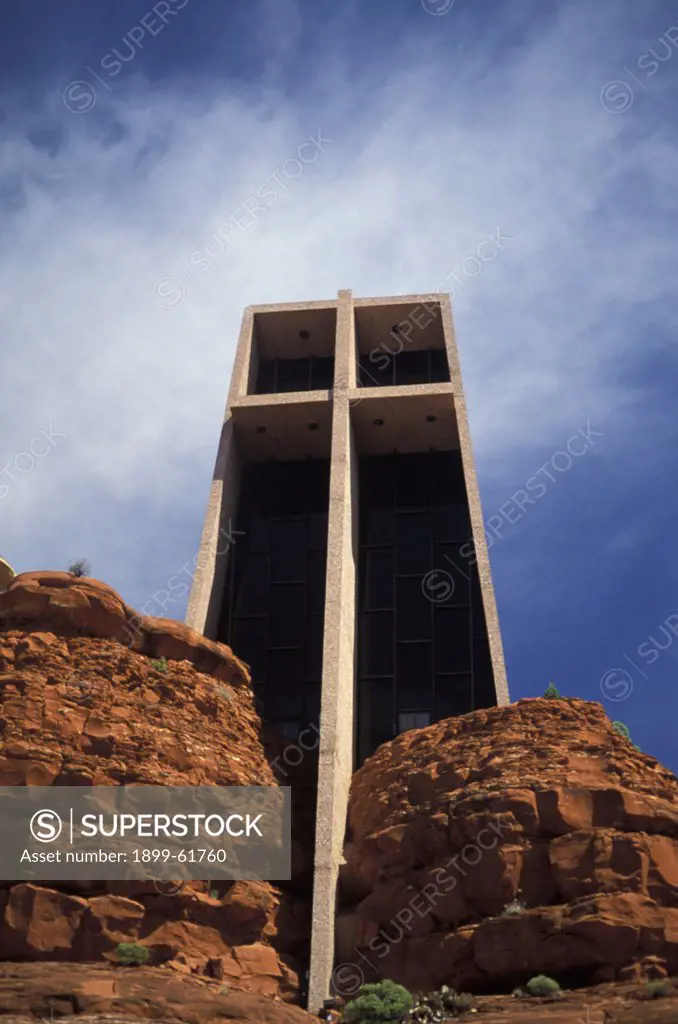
(510,842)
(81,705)
(78,605)
(98,992)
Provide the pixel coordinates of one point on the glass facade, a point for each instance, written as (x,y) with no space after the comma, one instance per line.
(423,652)
(384,367)
(279,375)
(274,600)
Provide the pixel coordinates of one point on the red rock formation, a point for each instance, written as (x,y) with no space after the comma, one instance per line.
(97,992)
(542,801)
(82,703)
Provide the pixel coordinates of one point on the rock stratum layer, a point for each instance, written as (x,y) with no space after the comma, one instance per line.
(85,699)
(511,842)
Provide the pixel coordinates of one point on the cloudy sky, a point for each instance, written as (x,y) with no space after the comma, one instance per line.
(130,133)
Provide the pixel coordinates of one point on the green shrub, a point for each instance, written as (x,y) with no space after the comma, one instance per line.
(552,692)
(214,894)
(378,1003)
(514,909)
(79,567)
(439,1006)
(131,954)
(656,990)
(160,663)
(542,986)
(623,730)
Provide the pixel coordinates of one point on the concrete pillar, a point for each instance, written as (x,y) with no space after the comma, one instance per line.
(336,752)
(204,605)
(475,508)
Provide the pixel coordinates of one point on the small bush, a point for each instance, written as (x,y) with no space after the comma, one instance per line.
(519,993)
(552,692)
(160,664)
(214,894)
(623,730)
(378,1003)
(542,986)
(655,990)
(79,567)
(438,1006)
(131,954)
(514,909)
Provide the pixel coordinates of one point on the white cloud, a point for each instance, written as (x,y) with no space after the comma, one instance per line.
(436,160)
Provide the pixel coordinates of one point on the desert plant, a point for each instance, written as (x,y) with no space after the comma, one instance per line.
(131,954)
(214,894)
(623,730)
(541,985)
(378,1003)
(514,909)
(552,692)
(79,568)
(438,1006)
(160,664)
(655,990)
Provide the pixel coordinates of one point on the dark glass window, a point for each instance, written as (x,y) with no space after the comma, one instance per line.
(253,592)
(413,367)
(376,643)
(250,641)
(378,582)
(381,712)
(431,652)
(316,568)
(279,375)
(393,362)
(413,609)
(440,371)
(284,684)
(454,696)
(287,612)
(376,369)
(413,720)
(413,542)
(274,604)
(414,676)
(314,648)
(322,373)
(289,544)
(453,640)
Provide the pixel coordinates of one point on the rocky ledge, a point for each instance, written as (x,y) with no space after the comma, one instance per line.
(92,694)
(515,841)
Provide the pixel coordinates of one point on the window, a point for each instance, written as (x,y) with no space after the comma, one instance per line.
(279,375)
(392,362)
(422,649)
(413,720)
(274,601)
(290,729)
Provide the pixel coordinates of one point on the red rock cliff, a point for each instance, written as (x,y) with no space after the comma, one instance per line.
(82,703)
(541,802)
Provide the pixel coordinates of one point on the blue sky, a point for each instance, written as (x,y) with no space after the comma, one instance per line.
(129,136)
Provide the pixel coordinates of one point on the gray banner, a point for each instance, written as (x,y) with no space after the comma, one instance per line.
(144,832)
